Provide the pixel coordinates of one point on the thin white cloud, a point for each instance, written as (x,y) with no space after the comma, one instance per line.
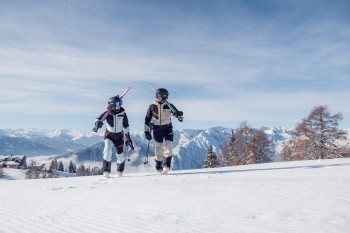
(245,65)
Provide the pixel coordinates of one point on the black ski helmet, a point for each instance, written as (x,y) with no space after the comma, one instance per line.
(162,92)
(115,99)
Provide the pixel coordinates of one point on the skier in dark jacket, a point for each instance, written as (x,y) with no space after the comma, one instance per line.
(160,114)
(117,126)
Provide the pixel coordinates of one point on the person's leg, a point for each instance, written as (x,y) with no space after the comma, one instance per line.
(107,157)
(158,149)
(118,140)
(168,149)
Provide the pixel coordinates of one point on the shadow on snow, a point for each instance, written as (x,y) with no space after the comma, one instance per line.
(259,169)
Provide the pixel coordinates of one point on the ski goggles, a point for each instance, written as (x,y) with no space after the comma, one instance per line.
(118,104)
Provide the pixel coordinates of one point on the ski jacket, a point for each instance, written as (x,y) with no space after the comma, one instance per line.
(159,114)
(116,121)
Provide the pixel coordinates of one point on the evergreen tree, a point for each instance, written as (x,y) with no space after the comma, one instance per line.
(71,167)
(224,154)
(60,166)
(53,166)
(229,157)
(23,164)
(2,174)
(88,171)
(81,170)
(211,160)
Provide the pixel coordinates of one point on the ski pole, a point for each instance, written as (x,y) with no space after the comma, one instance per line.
(146,158)
(180,118)
(127,152)
(128,155)
(147,152)
(130,144)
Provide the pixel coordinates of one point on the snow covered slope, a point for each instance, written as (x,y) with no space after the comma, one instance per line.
(290,197)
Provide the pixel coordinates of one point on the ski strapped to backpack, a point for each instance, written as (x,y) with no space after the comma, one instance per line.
(180,118)
(107,113)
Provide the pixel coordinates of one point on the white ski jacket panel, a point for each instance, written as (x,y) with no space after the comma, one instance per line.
(159,114)
(116,121)
(117,125)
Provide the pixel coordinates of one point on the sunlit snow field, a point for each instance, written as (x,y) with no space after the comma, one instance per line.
(301,196)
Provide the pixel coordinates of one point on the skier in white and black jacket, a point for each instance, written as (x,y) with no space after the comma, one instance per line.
(159,113)
(117,126)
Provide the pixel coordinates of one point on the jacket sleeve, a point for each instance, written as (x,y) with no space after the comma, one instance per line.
(148,119)
(126,124)
(100,117)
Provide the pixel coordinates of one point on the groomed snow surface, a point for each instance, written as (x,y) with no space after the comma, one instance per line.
(295,197)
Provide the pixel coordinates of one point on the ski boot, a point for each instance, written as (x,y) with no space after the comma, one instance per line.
(159,167)
(165,170)
(159,172)
(166,164)
(106,175)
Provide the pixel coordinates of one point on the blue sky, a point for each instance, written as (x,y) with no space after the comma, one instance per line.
(223,62)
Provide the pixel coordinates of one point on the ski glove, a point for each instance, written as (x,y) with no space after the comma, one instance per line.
(128,141)
(148,135)
(98,124)
(177,114)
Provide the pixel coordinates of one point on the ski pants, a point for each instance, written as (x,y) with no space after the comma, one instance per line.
(163,150)
(116,139)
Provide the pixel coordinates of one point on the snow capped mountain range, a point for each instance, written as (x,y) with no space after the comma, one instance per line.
(190,145)
(33,142)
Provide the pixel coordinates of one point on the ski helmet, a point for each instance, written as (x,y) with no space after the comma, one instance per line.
(115,101)
(163,93)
